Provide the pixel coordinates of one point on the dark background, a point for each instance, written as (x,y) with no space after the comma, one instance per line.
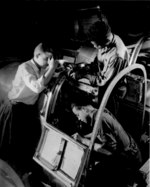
(23,24)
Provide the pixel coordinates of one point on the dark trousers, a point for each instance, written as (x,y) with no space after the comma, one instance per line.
(20,132)
(114,170)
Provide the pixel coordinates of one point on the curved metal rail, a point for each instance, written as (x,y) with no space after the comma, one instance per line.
(137,49)
(105,99)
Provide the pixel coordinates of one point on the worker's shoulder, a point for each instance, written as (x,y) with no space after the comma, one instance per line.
(25,65)
(120,46)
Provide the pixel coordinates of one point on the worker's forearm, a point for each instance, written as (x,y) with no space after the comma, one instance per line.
(48,75)
(87,142)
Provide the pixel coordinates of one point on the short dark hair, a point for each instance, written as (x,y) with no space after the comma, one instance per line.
(99,31)
(43,48)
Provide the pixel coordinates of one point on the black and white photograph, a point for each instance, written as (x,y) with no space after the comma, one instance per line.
(74,93)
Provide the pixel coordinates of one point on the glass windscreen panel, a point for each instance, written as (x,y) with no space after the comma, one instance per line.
(60,155)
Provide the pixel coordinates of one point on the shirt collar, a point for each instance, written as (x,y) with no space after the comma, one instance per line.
(35,64)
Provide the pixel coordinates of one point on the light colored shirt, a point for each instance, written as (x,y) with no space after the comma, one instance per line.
(26,85)
(113,56)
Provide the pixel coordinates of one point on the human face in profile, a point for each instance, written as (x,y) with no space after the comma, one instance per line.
(44,59)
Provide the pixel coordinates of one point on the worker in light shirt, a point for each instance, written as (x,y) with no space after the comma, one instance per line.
(20,127)
(32,77)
